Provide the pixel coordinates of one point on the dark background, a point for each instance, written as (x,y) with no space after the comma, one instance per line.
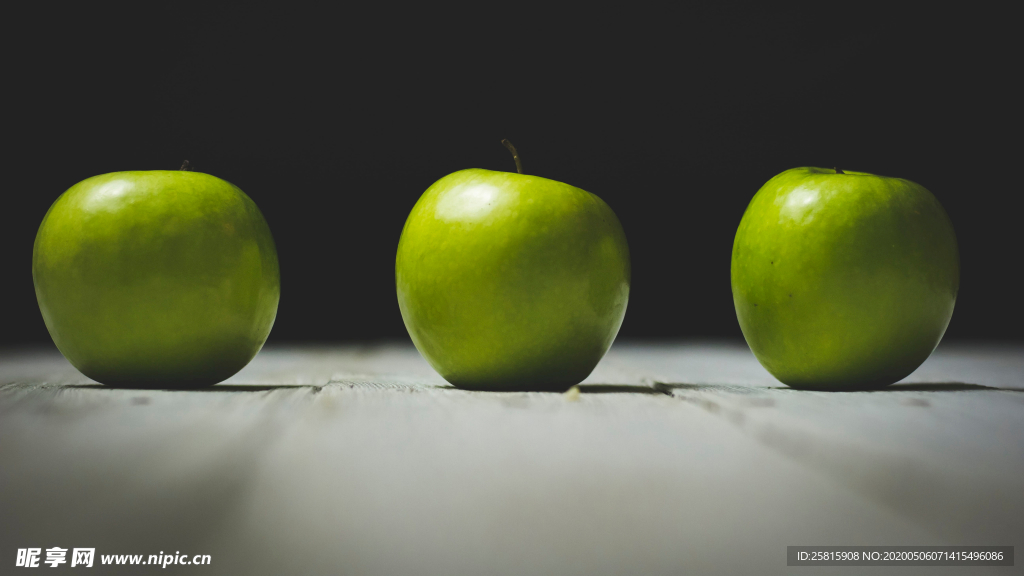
(335,122)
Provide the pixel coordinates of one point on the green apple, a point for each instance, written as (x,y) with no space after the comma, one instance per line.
(511,282)
(162,278)
(843,280)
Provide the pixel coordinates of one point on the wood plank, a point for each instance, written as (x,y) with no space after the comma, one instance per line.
(943,447)
(360,460)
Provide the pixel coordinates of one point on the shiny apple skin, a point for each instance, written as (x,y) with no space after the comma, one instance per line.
(156,279)
(512,282)
(843,281)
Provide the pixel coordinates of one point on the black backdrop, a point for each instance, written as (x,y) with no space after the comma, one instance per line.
(335,121)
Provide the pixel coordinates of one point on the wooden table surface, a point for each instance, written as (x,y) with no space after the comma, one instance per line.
(682,458)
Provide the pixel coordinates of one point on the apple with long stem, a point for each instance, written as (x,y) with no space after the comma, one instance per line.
(508,281)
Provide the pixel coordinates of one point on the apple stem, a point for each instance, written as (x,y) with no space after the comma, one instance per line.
(184,166)
(515,155)
(838,171)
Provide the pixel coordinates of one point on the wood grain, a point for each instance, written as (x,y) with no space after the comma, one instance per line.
(675,458)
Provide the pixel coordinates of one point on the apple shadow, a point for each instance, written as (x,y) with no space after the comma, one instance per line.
(584,389)
(619,389)
(214,388)
(910,387)
(942,387)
